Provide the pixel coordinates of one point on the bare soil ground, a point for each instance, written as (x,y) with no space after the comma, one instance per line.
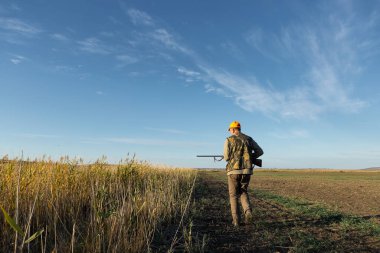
(356,192)
(274,229)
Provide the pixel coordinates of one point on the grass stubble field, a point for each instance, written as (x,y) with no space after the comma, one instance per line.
(68,206)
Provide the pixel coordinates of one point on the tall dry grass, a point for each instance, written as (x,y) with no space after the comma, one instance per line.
(89,208)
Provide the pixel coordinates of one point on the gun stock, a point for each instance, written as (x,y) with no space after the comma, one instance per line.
(257,162)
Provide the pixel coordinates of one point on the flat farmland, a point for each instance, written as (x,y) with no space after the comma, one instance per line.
(136,207)
(293,211)
(355,192)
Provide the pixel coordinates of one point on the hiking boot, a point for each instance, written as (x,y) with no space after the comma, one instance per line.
(235,221)
(235,224)
(248,217)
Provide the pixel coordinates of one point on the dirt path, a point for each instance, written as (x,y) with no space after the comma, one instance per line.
(275,228)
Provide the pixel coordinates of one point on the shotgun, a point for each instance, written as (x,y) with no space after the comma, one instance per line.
(217,158)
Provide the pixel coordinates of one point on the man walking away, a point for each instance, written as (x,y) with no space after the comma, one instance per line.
(239,152)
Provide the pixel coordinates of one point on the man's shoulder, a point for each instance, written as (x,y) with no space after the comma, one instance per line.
(246,136)
(231,138)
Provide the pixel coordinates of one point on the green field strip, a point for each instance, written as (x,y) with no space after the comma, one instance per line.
(322,213)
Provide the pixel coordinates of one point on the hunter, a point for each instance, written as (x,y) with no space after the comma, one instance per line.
(239,152)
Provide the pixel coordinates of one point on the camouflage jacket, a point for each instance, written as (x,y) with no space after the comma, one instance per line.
(238,152)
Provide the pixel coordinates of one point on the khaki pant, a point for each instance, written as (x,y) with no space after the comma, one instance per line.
(238,188)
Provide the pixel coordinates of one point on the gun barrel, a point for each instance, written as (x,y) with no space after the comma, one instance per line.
(217,158)
(209,156)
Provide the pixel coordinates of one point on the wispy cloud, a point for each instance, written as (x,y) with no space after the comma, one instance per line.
(326,53)
(188,72)
(209,88)
(16,31)
(167,39)
(331,90)
(95,46)
(308,102)
(15,7)
(154,31)
(330,60)
(252,96)
(64,68)
(190,75)
(138,17)
(257,39)
(126,59)
(18,26)
(59,37)
(17,59)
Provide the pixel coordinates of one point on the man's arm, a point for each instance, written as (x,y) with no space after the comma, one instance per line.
(226,150)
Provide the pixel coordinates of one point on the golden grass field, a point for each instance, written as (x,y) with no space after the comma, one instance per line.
(88,208)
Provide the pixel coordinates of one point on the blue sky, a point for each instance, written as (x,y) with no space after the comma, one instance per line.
(164,79)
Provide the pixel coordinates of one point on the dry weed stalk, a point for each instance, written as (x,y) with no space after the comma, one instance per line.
(89,208)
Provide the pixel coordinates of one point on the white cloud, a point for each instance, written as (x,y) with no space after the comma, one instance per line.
(209,88)
(329,58)
(18,26)
(322,86)
(332,61)
(15,7)
(167,39)
(188,72)
(94,45)
(155,36)
(17,59)
(139,17)
(213,89)
(64,68)
(327,53)
(190,75)
(252,96)
(60,37)
(258,39)
(126,59)
(330,89)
